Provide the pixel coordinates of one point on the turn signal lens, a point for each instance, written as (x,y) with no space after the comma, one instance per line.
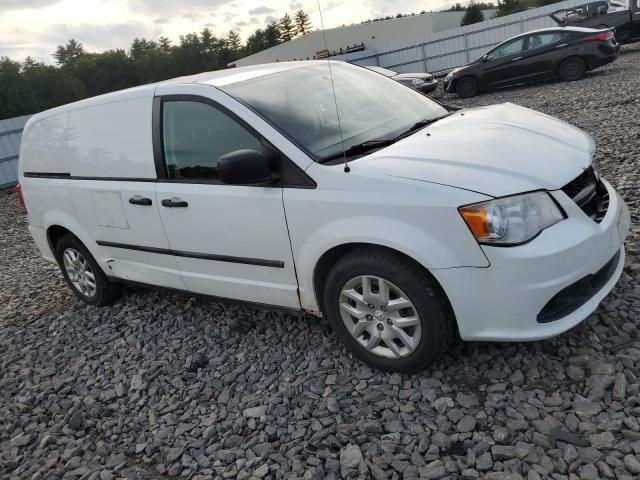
(511,220)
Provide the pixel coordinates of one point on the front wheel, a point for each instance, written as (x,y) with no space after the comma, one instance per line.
(572,69)
(388,311)
(83,274)
(466,87)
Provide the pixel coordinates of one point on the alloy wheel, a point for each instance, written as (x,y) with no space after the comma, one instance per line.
(79,272)
(380,316)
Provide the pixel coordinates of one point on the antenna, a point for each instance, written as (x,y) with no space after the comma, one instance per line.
(333,89)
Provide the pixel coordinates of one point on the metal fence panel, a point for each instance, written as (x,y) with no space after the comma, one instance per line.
(458,46)
(10,137)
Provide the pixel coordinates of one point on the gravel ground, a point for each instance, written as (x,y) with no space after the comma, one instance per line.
(162,385)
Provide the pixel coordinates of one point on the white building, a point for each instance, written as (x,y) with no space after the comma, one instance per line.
(372,36)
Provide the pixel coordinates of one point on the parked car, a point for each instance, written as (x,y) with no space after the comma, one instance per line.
(423,82)
(565,53)
(246,184)
(622,15)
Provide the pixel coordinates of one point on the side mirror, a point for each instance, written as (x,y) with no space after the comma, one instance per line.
(244,167)
(602,10)
(484,58)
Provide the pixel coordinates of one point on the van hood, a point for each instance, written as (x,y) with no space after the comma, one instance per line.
(497,150)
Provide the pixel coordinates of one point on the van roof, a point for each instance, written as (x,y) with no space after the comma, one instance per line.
(216,78)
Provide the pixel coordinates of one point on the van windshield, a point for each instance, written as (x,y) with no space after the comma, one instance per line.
(300,104)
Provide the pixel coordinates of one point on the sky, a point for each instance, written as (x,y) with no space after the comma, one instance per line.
(35,27)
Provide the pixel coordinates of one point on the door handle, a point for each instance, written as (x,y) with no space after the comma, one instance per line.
(138,200)
(516,59)
(562,45)
(174,202)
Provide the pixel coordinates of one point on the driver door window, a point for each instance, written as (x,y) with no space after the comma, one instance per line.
(511,48)
(196,134)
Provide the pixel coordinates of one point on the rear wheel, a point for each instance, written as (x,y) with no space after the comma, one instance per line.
(83,274)
(466,87)
(572,69)
(389,312)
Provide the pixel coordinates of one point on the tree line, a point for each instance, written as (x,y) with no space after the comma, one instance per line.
(29,86)
(474,14)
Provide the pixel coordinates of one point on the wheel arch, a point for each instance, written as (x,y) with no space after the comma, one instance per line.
(335,253)
(54,234)
(465,75)
(58,223)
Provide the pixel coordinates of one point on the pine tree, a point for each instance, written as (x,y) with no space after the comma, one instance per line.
(271,35)
(473,14)
(286,28)
(233,41)
(69,54)
(303,23)
(165,44)
(507,7)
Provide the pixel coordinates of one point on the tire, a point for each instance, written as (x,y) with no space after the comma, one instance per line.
(428,336)
(467,87)
(73,257)
(572,69)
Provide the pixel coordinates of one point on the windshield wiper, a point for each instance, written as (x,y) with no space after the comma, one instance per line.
(359,148)
(369,145)
(418,125)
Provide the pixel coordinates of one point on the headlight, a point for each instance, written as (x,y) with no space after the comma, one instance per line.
(511,220)
(417,81)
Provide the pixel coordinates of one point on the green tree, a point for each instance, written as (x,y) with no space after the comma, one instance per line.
(233,41)
(271,35)
(507,7)
(286,28)
(473,14)
(141,48)
(164,44)
(67,55)
(303,22)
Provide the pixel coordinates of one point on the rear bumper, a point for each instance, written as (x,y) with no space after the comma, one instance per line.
(606,54)
(504,301)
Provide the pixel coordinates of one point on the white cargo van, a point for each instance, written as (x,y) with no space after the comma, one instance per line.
(490,223)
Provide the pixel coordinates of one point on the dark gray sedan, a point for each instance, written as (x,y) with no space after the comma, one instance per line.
(423,82)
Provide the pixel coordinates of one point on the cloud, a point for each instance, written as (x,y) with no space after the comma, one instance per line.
(172,6)
(24,4)
(295,5)
(161,20)
(270,19)
(20,42)
(261,10)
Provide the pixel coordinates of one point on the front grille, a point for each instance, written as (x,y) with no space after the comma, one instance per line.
(589,193)
(571,298)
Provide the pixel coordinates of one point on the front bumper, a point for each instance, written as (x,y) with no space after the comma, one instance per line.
(427,86)
(447,85)
(503,301)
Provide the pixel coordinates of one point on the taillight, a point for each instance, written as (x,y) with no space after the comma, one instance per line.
(21,197)
(599,37)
